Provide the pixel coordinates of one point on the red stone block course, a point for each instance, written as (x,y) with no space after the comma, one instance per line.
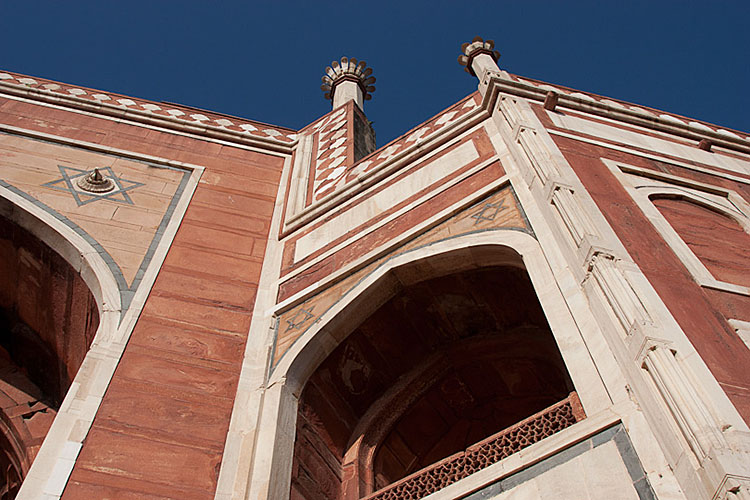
(78,490)
(209,316)
(183,143)
(119,460)
(139,366)
(163,415)
(235,203)
(197,345)
(246,223)
(233,242)
(731,305)
(206,289)
(201,261)
(228,181)
(271,162)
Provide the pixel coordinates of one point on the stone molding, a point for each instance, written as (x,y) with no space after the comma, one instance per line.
(641,184)
(601,262)
(139,110)
(733,487)
(503,82)
(382,163)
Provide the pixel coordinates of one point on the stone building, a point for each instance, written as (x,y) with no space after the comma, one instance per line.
(537,293)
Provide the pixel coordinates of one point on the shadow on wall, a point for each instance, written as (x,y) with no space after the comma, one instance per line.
(48,319)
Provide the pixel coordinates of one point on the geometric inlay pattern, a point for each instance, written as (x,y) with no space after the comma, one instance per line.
(69,183)
(488,212)
(300,318)
(331,172)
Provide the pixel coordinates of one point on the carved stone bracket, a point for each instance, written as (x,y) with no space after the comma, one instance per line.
(733,488)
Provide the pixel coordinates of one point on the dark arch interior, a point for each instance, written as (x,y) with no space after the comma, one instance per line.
(48,319)
(443,364)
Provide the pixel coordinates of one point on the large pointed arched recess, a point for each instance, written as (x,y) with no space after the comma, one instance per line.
(55,299)
(446,354)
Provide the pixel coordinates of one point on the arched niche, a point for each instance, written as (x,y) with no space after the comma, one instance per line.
(436,357)
(713,234)
(55,299)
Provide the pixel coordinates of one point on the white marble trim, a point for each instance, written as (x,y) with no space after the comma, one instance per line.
(642,188)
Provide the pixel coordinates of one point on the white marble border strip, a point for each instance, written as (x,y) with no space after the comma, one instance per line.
(641,184)
(400,212)
(650,156)
(408,156)
(259,148)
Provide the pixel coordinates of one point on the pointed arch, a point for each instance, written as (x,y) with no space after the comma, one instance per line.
(494,248)
(38,368)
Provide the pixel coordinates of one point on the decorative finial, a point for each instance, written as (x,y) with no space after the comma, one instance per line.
(349,70)
(94,182)
(477,47)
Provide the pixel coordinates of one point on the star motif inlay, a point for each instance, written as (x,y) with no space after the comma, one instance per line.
(488,212)
(70,176)
(299,318)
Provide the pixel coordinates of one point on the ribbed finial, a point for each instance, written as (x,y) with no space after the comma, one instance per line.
(477,47)
(94,182)
(348,70)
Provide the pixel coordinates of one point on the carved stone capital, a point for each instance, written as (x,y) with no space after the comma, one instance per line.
(471,51)
(348,70)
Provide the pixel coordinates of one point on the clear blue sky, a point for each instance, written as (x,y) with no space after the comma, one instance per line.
(264,60)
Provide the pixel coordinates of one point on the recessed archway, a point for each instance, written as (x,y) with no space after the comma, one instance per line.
(48,319)
(440,365)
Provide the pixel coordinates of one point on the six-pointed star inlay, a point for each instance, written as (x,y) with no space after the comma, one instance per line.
(68,183)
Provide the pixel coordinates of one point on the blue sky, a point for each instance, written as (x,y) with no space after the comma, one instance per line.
(263,61)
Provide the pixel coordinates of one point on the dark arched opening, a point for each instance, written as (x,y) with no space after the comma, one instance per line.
(444,365)
(48,319)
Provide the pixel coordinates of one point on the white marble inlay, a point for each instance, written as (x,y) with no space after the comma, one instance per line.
(385,199)
(655,144)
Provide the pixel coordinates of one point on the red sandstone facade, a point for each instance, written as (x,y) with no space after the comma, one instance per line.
(538,292)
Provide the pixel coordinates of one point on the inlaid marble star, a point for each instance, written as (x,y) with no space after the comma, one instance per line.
(70,176)
(488,212)
(299,318)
